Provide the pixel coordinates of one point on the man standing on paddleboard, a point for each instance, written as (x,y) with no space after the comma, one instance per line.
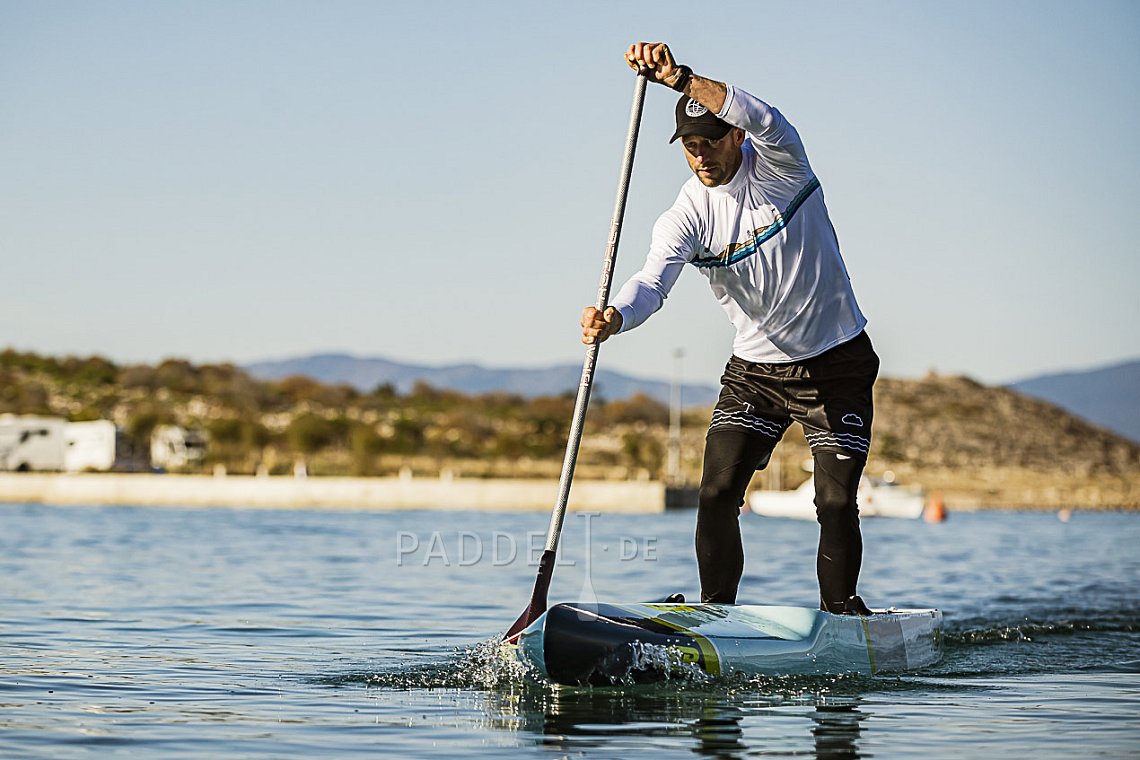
(753,221)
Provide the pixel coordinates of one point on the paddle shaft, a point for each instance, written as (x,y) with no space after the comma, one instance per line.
(583,399)
(546,564)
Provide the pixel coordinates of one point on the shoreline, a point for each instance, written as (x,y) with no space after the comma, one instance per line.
(396,493)
(379,493)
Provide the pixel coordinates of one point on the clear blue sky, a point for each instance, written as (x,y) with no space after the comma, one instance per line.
(432,181)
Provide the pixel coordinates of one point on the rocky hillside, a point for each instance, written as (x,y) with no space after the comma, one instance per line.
(977,446)
(994,446)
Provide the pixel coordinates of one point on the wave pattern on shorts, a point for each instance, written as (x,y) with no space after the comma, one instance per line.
(721,418)
(847,441)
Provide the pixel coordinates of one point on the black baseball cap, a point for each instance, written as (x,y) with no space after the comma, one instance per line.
(695,119)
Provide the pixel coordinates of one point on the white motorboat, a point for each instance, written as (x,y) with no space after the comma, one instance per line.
(876,498)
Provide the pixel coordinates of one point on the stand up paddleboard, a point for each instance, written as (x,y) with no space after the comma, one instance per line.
(601,644)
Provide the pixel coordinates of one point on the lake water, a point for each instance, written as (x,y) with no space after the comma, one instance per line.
(252,633)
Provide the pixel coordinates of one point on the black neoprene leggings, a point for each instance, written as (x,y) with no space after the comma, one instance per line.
(730,460)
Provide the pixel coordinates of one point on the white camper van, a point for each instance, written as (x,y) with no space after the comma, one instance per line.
(91,446)
(31,444)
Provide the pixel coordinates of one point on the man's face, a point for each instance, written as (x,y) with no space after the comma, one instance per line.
(714,161)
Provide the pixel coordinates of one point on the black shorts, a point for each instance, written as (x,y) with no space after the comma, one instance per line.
(830,395)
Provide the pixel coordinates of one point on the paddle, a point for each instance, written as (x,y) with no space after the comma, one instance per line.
(537,604)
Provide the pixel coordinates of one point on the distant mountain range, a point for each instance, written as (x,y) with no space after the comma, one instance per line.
(1108,397)
(366,374)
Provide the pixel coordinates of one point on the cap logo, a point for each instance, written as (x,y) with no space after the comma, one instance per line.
(693,109)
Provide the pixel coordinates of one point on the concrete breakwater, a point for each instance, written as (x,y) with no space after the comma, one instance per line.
(391,493)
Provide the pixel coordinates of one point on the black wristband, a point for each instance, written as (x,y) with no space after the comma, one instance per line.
(686,75)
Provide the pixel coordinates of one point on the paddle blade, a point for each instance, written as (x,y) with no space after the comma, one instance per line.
(537,604)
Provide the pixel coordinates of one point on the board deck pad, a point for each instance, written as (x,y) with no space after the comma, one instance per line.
(603,644)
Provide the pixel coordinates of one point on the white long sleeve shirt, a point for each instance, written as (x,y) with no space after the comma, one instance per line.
(765,243)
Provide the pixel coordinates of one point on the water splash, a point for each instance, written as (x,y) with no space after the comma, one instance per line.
(641,662)
(485,666)
(489,666)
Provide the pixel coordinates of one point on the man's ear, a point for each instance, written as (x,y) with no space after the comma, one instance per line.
(738,136)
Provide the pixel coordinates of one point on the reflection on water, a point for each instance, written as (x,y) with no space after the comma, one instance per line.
(718,730)
(711,722)
(836,730)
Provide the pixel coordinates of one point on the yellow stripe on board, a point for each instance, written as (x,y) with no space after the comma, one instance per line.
(705,647)
(870,649)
